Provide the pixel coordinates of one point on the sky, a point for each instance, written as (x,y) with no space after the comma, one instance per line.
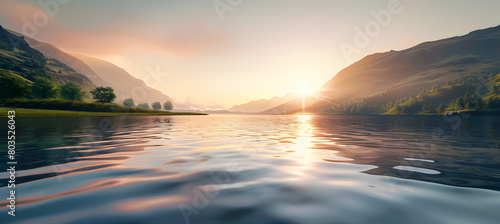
(219,53)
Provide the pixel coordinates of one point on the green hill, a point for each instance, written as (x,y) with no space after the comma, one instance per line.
(19,59)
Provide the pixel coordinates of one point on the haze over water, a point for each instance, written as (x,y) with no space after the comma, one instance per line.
(257,169)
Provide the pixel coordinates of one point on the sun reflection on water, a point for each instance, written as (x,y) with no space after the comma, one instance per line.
(302,146)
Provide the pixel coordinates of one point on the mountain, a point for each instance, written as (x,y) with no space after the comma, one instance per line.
(102,74)
(51,51)
(386,77)
(124,84)
(256,106)
(308,104)
(18,58)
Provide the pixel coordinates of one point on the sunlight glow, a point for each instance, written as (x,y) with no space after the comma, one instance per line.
(303,87)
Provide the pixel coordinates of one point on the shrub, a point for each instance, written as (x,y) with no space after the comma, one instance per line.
(43,88)
(128,103)
(56,104)
(103,94)
(143,105)
(168,105)
(72,91)
(156,105)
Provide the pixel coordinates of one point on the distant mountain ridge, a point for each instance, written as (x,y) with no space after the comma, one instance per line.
(408,71)
(256,106)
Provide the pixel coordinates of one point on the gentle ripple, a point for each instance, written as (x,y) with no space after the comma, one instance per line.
(256,169)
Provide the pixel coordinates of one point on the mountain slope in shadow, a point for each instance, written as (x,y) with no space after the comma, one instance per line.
(256,106)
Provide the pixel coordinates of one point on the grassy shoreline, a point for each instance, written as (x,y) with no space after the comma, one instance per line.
(24,112)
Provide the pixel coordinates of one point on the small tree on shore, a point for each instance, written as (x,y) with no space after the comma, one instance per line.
(128,103)
(103,94)
(43,88)
(168,105)
(144,106)
(72,91)
(156,105)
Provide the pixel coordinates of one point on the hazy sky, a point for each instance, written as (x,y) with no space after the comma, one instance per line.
(252,49)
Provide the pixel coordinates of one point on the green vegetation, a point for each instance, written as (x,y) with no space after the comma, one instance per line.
(43,88)
(45,94)
(168,105)
(156,105)
(128,103)
(12,86)
(392,81)
(22,112)
(72,91)
(30,80)
(58,104)
(103,94)
(19,59)
(471,93)
(143,105)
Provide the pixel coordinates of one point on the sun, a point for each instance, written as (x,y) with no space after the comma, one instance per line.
(303,87)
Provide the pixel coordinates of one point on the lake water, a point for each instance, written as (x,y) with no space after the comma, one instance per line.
(256,169)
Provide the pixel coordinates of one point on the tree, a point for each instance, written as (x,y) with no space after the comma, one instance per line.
(479,102)
(12,87)
(469,105)
(405,110)
(143,105)
(493,102)
(128,103)
(467,97)
(459,104)
(398,108)
(495,89)
(440,109)
(435,87)
(72,91)
(103,94)
(168,105)
(156,105)
(43,88)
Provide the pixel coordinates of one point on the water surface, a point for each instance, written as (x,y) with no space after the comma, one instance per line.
(256,169)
